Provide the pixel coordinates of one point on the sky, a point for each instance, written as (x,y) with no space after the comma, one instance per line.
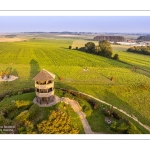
(119,24)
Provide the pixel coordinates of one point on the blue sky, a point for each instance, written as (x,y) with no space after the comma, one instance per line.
(122,24)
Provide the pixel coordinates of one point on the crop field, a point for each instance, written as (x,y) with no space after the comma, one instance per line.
(80,71)
(81,43)
(140,61)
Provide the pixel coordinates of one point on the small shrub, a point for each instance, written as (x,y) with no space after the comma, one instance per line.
(4,121)
(116,115)
(116,57)
(112,78)
(132,129)
(29,127)
(113,126)
(6,96)
(23,116)
(122,127)
(19,93)
(70,47)
(95,105)
(14,93)
(85,108)
(21,103)
(8,108)
(22,130)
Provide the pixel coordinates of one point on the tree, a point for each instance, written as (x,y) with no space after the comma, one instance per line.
(90,47)
(116,57)
(105,48)
(70,47)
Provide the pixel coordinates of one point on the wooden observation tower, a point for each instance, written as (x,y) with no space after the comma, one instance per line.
(44,87)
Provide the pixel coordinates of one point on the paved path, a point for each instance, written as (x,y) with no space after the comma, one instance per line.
(76,107)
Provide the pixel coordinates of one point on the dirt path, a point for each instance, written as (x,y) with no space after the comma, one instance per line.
(76,107)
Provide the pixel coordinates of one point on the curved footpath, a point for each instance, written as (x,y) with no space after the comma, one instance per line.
(76,107)
(131,116)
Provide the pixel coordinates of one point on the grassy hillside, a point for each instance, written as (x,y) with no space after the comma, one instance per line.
(129,90)
(20,111)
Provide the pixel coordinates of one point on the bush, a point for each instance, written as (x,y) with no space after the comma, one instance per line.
(112,78)
(4,121)
(23,116)
(70,47)
(109,112)
(21,103)
(125,127)
(132,129)
(116,115)
(87,108)
(60,78)
(82,49)
(6,96)
(8,108)
(19,93)
(114,126)
(22,130)
(106,112)
(116,57)
(122,127)
(58,123)
(95,105)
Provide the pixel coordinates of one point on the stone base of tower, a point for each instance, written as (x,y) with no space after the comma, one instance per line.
(41,102)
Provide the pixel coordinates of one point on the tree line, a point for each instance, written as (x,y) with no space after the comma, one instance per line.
(103,49)
(140,49)
(144,38)
(110,38)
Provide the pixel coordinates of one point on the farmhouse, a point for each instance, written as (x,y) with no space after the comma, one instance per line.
(44,87)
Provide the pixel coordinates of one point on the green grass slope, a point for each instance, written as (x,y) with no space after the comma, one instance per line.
(129,90)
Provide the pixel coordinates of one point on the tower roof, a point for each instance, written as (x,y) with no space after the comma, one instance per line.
(44,75)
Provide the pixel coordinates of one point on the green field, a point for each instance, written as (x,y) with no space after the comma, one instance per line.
(129,90)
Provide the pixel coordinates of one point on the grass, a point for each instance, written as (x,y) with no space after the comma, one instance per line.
(96,117)
(38,113)
(139,60)
(129,90)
